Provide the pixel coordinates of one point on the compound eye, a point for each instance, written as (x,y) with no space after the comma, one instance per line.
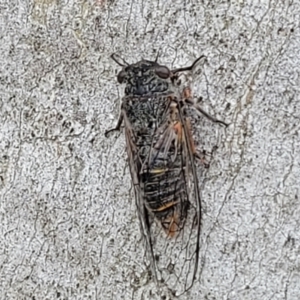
(121,76)
(162,72)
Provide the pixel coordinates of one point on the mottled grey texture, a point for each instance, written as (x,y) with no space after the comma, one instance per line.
(69,228)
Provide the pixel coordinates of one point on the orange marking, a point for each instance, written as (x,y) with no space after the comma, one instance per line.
(187,93)
(174,225)
(166,206)
(178,129)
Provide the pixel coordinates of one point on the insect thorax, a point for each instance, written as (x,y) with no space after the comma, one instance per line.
(146,114)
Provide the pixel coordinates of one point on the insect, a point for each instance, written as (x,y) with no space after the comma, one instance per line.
(161,157)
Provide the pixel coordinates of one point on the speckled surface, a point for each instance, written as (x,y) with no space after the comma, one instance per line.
(69,228)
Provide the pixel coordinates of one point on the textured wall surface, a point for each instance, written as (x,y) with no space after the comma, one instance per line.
(68,222)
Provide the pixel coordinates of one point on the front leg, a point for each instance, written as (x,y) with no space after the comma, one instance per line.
(200,156)
(207,115)
(118,126)
(187,96)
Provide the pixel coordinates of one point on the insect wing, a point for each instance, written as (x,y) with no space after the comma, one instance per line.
(177,253)
(134,166)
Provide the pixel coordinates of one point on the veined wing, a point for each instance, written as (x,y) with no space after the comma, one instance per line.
(171,195)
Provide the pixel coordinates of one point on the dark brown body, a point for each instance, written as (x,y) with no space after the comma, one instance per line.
(161,156)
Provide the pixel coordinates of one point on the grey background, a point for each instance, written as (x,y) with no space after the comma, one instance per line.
(69,228)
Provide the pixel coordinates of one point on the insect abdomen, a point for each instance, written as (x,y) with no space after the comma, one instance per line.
(165,195)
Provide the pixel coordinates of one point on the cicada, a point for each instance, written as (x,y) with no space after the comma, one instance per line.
(162,158)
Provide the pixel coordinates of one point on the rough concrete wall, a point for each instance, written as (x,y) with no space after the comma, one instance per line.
(69,228)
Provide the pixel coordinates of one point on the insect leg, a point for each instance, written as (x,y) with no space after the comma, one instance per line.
(190,67)
(207,115)
(118,126)
(187,95)
(114,57)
